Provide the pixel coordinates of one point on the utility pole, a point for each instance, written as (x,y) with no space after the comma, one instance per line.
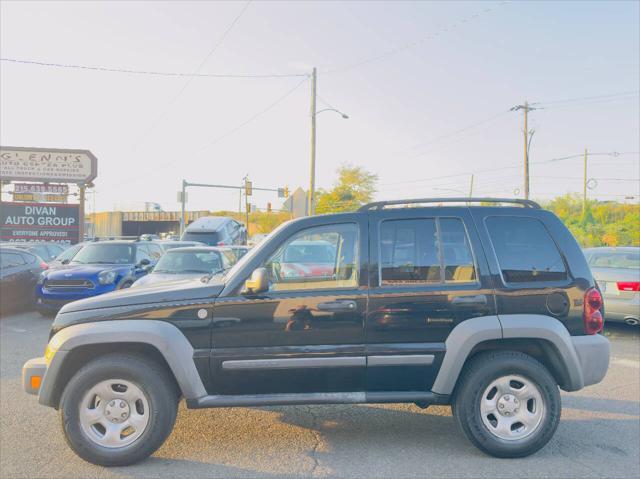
(183,200)
(471,187)
(527,143)
(584,185)
(81,196)
(312,180)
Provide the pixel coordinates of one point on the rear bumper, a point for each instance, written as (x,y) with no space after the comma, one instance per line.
(33,373)
(593,356)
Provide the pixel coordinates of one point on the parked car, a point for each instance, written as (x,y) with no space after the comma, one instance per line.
(46,250)
(256,239)
(97,268)
(491,309)
(19,272)
(66,256)
(617,271)
(186,263)
(235,253)
(216,231)
(170,244)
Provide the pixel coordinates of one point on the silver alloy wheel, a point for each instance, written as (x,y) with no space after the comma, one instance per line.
(114,413)
(512,407)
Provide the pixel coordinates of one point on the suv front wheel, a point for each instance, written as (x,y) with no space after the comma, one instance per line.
(118,410)
(507,404)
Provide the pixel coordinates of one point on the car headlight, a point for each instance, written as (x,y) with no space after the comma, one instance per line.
(42,277)
(107,277)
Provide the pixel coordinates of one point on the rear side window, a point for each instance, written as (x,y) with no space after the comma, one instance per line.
(525,250)
(10,260)
(425,251)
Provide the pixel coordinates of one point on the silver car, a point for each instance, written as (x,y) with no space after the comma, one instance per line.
(181,264)
(617,271)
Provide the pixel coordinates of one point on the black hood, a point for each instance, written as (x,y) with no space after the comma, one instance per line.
(136,302)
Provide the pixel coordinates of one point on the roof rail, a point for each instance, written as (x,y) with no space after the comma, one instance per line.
(378,205)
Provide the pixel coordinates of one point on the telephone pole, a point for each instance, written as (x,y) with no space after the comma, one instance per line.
(584,185)
(527,143)
(471,187)
(312,180)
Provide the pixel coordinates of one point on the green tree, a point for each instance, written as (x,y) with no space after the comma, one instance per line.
(354,187)
(606,223)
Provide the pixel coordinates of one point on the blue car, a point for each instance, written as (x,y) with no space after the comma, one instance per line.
(97,268)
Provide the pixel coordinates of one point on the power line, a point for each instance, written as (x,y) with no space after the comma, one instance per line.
(252,118)
(157,168)
(151,72)
(215,47)
(455,132)
(593,97)
(406,46)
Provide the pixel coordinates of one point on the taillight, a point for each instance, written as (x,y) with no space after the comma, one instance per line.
(592,315)
(628,285)
(220,243)
(44,265)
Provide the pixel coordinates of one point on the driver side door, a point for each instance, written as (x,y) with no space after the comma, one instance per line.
(305,334)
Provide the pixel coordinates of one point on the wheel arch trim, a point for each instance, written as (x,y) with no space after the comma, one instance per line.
(470,333)
(166,338)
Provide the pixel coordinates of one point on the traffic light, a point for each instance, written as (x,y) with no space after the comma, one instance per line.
(248,188)
(286,192)
(268,207)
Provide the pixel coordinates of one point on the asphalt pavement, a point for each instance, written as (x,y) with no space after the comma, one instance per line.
(598,436)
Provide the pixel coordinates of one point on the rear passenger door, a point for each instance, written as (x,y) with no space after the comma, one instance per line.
(427,275)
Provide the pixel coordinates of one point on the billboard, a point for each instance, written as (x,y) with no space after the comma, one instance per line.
(47,164)
(39,222)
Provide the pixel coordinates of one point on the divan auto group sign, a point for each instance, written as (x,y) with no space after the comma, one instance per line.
(39,222)
(47,164)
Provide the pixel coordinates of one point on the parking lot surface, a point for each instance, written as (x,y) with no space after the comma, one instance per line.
(598,436)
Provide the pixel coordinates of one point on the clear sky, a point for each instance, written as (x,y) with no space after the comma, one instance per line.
(427,85)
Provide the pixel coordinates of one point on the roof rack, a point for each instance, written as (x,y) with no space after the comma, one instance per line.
(378,205)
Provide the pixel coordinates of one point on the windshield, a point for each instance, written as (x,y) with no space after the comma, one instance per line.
(69,253)
(177,262)
(210,238)
(105,253)
(618,259)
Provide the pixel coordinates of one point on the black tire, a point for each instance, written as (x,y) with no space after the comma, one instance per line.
(158,387)
(478,376)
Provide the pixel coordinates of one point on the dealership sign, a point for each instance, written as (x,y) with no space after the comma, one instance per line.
(46,164)
(39,222)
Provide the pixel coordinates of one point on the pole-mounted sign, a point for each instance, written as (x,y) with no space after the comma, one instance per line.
(47,165)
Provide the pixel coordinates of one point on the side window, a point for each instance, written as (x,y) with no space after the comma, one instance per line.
(526,252)
(409,252)
(456,251)
(316,258)
(142,253)
(10,260)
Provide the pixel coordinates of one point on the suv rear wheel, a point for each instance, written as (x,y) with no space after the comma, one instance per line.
(118,410)
(507,404)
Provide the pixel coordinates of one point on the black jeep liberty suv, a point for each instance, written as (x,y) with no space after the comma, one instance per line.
(489,308)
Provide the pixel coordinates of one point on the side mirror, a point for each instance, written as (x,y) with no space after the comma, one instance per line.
(257,283)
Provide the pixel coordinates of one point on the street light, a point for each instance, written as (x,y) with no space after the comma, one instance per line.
(314,114)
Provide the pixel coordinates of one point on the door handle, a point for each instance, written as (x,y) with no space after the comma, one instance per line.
(337,306)
(469,300)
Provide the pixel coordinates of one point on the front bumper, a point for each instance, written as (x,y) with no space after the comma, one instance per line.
(593,356)
(33,373)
